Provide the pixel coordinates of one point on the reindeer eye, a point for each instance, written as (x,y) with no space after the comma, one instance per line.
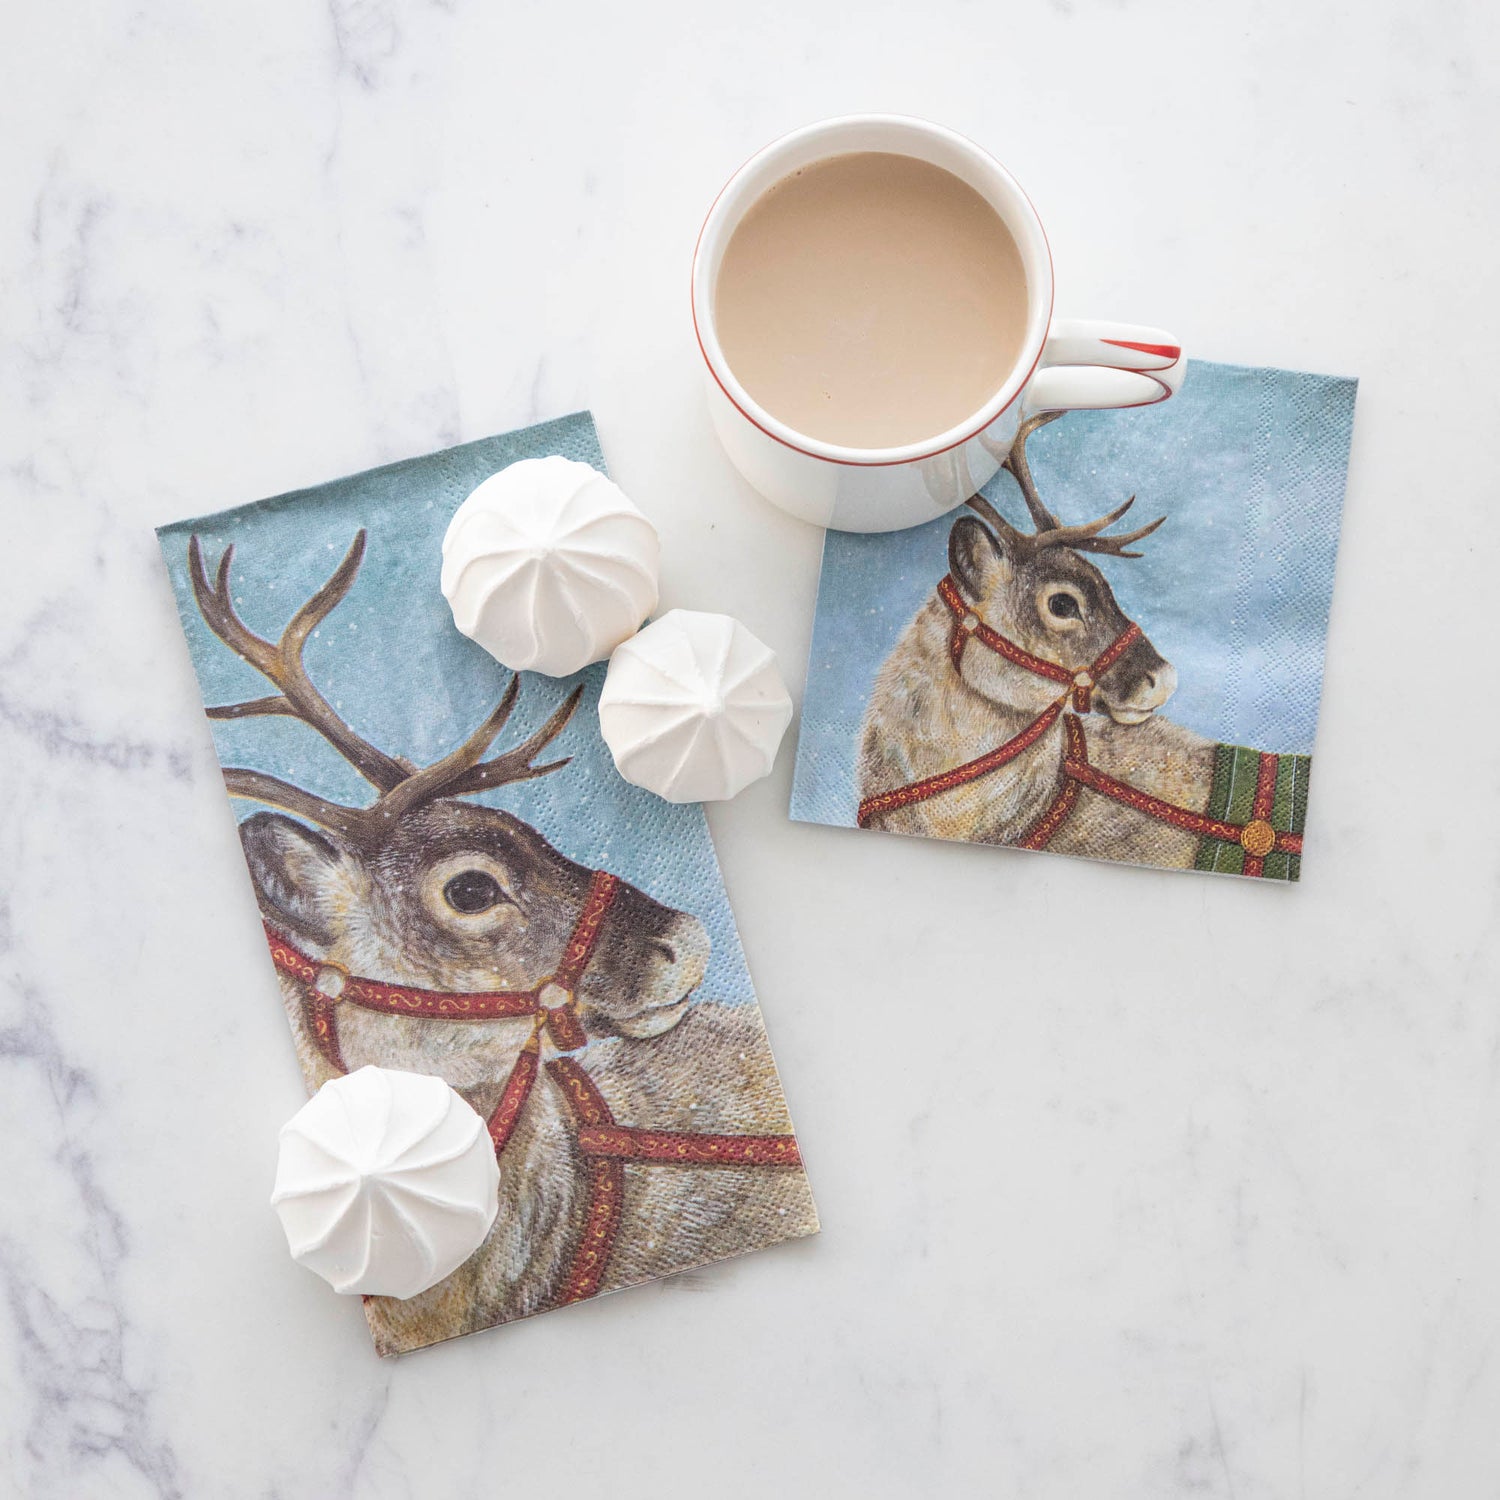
(473,891)
(1063,606)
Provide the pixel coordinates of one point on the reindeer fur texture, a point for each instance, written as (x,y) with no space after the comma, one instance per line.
(1041,592)
(662,1060)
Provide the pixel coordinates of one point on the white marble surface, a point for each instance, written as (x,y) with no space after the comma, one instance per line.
(1202,1194)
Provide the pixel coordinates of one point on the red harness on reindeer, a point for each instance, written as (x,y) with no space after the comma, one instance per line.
(552,1003)
(1256,836)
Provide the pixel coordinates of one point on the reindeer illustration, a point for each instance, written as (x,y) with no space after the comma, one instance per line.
(1020,706)
(432,934)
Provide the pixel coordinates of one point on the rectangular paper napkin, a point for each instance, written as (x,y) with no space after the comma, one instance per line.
(643,1129)
(941,695)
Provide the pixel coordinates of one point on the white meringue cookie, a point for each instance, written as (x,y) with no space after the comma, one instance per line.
(694,707)
(386,1182)
(549,566)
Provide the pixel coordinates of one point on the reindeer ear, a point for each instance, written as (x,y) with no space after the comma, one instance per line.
(290,865)
(977,558)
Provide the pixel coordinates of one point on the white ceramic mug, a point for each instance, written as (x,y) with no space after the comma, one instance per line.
(1064,363)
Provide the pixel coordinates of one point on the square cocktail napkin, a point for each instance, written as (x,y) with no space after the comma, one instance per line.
(1016,674)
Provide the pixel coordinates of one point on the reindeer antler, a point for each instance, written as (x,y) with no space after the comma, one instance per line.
(402,788)
(1019,540)
(461,771)
(281,664)
(1020,471)
(1050,532)
(258,786)
(1087,539)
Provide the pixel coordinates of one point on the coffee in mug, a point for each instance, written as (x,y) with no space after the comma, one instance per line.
(871,300)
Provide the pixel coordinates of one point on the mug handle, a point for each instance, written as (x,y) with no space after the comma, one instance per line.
(1087,364)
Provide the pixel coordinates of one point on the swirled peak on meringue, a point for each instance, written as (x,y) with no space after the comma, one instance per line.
(549,566)
(693,708)
(386,1182)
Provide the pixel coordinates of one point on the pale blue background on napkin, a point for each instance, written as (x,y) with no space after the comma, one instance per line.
(391,662)
(1248,466)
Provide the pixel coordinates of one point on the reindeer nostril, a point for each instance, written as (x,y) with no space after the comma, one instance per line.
(1150,679)
(667,950)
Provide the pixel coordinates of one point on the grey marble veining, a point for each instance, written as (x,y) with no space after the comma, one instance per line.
(1133,1185)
